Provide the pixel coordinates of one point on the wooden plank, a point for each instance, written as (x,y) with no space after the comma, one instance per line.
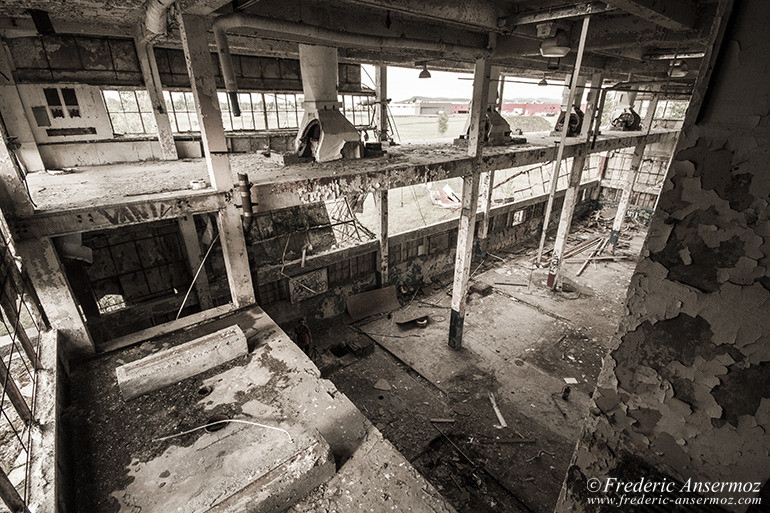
(151,77)
(180,362)
(165,328)
(381,202)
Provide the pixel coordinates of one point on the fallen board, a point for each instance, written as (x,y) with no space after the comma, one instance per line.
(372,302)
(180,362)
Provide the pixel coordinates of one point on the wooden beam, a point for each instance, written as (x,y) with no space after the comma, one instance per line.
(470,198)
(156,207)
(10,496)
(194,257)
(487,188)
(671,14)
(11,390)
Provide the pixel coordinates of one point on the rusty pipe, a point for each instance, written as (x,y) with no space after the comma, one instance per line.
(244,189)
(309,34)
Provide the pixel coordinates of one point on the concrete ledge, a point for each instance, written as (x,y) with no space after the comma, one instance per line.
(183,361)
(44,475)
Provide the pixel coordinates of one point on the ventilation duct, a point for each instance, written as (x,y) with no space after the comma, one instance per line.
(325,134)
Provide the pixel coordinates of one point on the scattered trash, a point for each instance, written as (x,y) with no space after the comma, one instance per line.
(414,322)
(571,381)
(383,385)
(443,421)
(497,411)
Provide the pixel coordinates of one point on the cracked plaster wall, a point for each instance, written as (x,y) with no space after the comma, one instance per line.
(686,387)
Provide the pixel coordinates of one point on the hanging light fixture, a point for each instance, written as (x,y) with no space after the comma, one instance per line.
(425,73)
(543,82)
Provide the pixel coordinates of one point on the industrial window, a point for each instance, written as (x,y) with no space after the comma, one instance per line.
(358,109)
(130,111)
(180,106)
(338,271)
(252,112)
(60,101)
(272,292)
(518,217)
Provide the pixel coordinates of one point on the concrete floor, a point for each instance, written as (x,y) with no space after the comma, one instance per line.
(520,343)
(122,464)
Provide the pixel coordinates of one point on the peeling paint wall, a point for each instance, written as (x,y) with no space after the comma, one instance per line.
(686,388)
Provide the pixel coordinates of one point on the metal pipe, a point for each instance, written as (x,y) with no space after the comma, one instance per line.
(155,16)
(302,33)
(244,189)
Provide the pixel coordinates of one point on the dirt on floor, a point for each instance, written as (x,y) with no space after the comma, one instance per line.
(447,428)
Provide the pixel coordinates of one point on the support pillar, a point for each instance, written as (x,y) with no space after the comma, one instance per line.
(381,202)
(15,117)
(151,77)
(487,189)
(470,197)
(563,141)
(194,32)
(194,257)
(630,177)
(573,190)
(381,90)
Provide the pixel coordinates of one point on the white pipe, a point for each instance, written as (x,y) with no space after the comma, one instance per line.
(155,16)
(301,33)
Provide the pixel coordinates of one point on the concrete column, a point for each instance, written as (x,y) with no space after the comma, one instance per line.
(194,256)
(470,197)
(487,188)
(200,68)
(46,272)
(381,89)
(630,177)
(151,77)
(573,191)
(563,139)
(15,117)
(381,202)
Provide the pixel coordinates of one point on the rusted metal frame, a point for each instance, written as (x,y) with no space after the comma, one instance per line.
(563,141)
(470,197)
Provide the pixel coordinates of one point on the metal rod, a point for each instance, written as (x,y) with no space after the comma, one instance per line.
(564,130)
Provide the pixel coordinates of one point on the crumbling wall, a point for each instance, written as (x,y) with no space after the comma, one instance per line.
(686,388)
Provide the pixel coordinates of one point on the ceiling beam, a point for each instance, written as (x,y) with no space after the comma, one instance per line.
(552,14)
(671,14)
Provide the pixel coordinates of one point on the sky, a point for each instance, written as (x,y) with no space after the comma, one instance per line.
(404,83)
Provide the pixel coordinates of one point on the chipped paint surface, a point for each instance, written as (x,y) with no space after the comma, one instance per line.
(686,389)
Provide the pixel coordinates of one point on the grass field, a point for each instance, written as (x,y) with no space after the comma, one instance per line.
(424,129)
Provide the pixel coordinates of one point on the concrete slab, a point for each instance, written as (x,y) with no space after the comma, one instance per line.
(238,468)
(376,478)
(241,467)
(177,363)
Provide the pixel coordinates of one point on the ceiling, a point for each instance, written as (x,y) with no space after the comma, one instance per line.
(625,38)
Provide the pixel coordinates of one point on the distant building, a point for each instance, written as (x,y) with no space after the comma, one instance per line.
(425,106)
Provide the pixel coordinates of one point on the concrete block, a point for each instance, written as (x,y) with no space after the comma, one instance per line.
(183,361)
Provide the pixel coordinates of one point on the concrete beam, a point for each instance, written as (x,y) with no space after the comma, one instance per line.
(46,272)
(356,177)
(381,89)
(154,88)
(381,202)
(671,14)
(554,13)
(470,198)
(52,223)
(194,257)
(630,177)
(194,31)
